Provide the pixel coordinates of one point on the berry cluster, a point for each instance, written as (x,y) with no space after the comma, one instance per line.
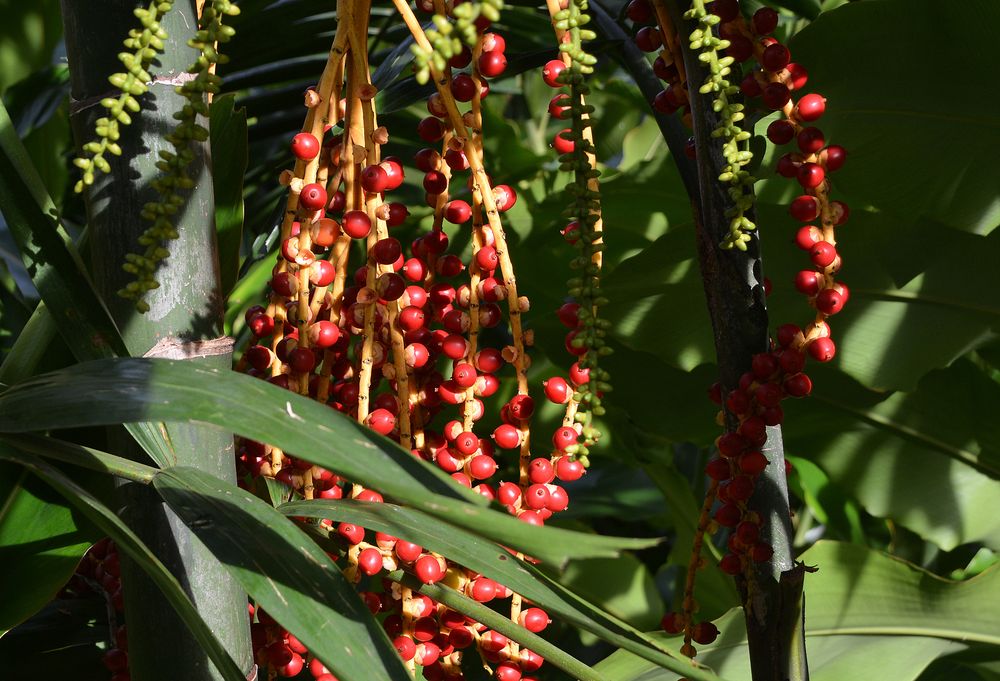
(100,572)
(775,375)
(400,344)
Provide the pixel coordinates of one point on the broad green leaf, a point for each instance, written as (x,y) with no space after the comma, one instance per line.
(229,161)
(898,454)
(41,542)
(910,154)
(828,502)
(130,390)
(622,586)
(130,544)
(864,610)
(285,573)
(488,559)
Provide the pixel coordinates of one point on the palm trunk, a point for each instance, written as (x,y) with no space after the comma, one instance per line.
(186,309)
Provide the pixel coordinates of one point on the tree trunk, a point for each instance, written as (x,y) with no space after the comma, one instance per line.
(184,321)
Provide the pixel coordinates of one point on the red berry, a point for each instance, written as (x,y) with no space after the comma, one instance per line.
(740,49)
(305,146)
(788,165)
(808,282)
(507,436)
(457,212)
(568,469)
(804,208)
(834,157)
(775,95)
(811,140)
(811,175)
(430,129)
(718,469)
(780,131)
(551,71)
(561,143)
(505,197)
(374,179)
(557,390)
(370,561)
(752,463)
(829,301)
(492,63)
(728,515)
(356,224)
(381,421)
(764,21)
(564,437)
(775,57)
(840,211)
(559,106)
(798,385)
(823,254)
(428,569)
(704,633)
(797,76)
(810,107)
(731,564)
(639,11)
(302,360)
(312,197)
(487,258)
(727,10)
(435,182)
(462,59)
(463,87)
(822,349)
(648,39)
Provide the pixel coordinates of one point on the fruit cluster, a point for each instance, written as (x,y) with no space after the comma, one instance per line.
(412,343)
(755,403)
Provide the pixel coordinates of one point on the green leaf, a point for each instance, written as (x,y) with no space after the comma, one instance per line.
(130,390)
(229,161)
(130,544)
(41,542)
(285,573)
(895,453)
(622,586)
(910,155)
(865,610)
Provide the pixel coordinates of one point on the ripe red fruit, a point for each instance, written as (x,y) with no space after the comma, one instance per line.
(810,107)
(492,63)
(639,11)
(561,144)
(487,258)
(780,131)
(534,619)
(811,140)
(370,561)
(764,21)
(381,421)
(731,564)
(428,569)
(807,282)
(323,334)
(551,71)
(559,106)
(352,533)
(775,57)
(540,471)
(798,385)
(823,253)
(829,301)
(505,197)
(305,146)
(462,59)
(649,39)
(822,349)
(727,10)
(718,469)
(557,390)
(302,360)
(568,469)
(507,436)
(435,182)
(834,157)
(728,515)
(797,76)
(811,175)
(312,197)
(564,437)
(356,224)
(704,633)
(374,179)
(578,375)
(753,462)
(430,129)
(804,208)
(775,95)
(463,87)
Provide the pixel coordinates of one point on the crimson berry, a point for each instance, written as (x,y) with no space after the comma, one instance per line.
(568,469)
(731,564)
(829,301)
(740,49)
(551,71)
(301,360)
(381,421)
(536,497)
(718,469)
(291,668)
(780,131)
(507,436)
(664,103)
(775,57)
(492,63)
(807,237)
(482,589)
(487,258)
(564,437)
(578,375)
(521,407)
(834,157)
(728,515)
(797,76)
(811,175)
(431,129)
(374,179)
(823,253)
(749,86)
(822,349)
(752,463)
(405,647)
(351,532)
(727,10)
(454,346)
(559,106)
(356,224)
(508,493)
(435,182)
(482,466)
(507,671)
(427,654)
(731,444)
(463,87)
(804,208)
(788,165)
(557,390)
(324,334)
(761,552)
(312,197)
(639,11)
(427,160)
(305,146)
(798,385)
(561,143)
(775,95)
(764,21)
(370,561)
(407,551)
(810,107)
(462,59)
(531,517)
(505,197)
(387,251)
(649,39)
(811,140)
(428,569)
(808,282)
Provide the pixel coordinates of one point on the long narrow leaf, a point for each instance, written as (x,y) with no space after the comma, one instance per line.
(285,572)
(129,390)
(129,543)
